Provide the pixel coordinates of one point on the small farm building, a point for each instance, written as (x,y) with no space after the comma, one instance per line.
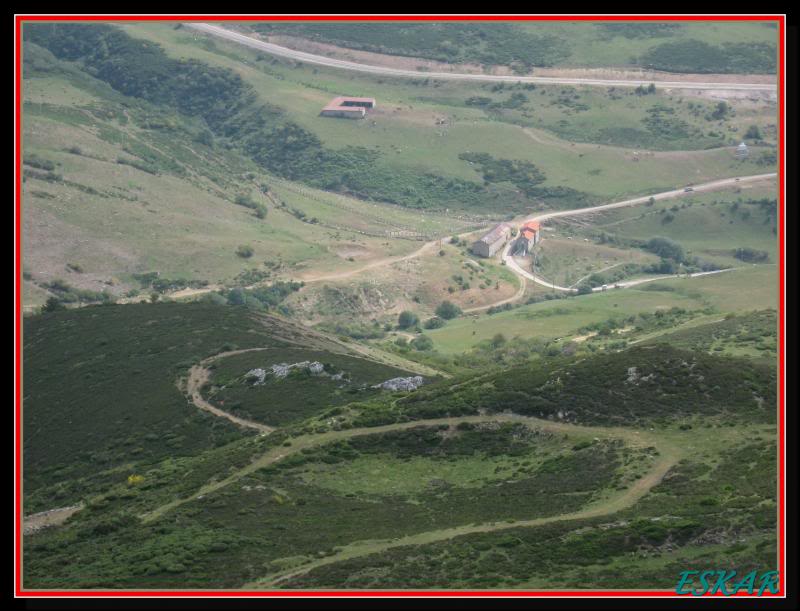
(493,241)
(348,108)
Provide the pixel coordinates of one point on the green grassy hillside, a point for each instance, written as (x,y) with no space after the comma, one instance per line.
(689,521)
(217,229)
(348,482)
(126,412)
(174,179)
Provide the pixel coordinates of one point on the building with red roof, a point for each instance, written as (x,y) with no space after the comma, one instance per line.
(529,236)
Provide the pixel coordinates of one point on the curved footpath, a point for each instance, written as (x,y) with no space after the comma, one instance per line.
(321,60)
(199,375)
(668,455)
(668,458)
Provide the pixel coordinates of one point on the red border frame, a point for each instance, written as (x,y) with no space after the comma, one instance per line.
(19,592)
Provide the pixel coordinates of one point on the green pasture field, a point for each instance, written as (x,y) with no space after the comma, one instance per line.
(567,261)
(549,320)
(403,127)
(708,225)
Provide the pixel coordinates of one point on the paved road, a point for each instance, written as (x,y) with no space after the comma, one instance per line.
(708,186)
(321,60)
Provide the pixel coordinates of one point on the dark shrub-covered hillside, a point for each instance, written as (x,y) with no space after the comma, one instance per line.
(638,386)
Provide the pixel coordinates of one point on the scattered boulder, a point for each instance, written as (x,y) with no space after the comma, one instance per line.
(281,370)
(256,374)
(410,383)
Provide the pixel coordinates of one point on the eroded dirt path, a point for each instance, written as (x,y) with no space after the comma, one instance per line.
(45,519)
(668,456)
(321,277)
(199,375)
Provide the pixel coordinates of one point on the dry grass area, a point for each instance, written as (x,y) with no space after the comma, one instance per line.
(416,283)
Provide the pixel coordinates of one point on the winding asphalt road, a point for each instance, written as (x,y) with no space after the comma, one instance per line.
(708,186)
(321,60)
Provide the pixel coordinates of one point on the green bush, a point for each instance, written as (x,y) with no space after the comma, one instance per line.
(244,251)
(448,310)
(407,319)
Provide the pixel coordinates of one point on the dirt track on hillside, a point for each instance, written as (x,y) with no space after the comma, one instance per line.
(668,457)
(199,374)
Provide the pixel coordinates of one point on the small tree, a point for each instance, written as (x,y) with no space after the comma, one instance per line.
(434,323)
(448,310)
(753,133)
(407,319)
(53,304)
(244,251)
(422,343)
(498,340)
(237,296)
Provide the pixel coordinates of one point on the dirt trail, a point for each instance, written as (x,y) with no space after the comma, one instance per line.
(668,456)
(373,264)
(199,375)
(44,519)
